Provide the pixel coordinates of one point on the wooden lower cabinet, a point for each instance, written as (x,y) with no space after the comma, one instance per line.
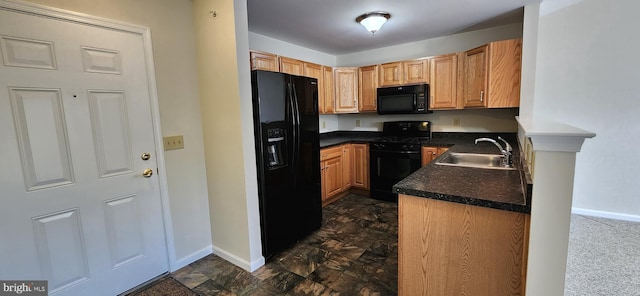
(360,166)
(447,248)
(347,166)
(343,168)
(430,153)
(331,167)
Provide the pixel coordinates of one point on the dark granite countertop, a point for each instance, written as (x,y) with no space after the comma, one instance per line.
(343,137)
(499,189)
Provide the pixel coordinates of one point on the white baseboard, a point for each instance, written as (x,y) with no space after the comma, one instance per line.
(249,266)
(608,215)
(186,260)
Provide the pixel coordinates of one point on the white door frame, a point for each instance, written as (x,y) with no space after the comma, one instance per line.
(31,8)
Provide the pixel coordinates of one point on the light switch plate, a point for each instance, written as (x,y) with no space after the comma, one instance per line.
(173,143)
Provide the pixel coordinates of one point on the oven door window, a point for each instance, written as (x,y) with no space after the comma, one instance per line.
(391,167)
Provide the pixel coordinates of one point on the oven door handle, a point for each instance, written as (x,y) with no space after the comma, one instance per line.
(394,152)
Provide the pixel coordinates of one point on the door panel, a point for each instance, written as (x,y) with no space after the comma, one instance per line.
(75,114)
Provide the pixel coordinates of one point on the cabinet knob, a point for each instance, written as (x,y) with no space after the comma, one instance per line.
(481,95)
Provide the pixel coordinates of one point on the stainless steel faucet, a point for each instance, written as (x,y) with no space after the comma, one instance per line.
(507,160)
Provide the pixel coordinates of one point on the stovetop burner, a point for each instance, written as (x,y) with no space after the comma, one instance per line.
(411,140)
(403,136)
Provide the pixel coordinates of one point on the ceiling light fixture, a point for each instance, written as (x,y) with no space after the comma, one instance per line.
(373,21)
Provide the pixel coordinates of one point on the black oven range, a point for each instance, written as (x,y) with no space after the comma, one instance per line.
(396,155)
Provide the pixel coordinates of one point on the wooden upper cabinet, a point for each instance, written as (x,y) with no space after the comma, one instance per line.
(291,66)
(264,61)
(367,88)
(505,65)
(491,75)
(328,102)
(475,81)
(443,84)
(404,72)
(415,71)
(346,86)
(315,71)
(390,74)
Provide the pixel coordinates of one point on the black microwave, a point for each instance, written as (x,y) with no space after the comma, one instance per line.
(405,99)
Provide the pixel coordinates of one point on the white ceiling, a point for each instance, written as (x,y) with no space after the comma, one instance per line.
(329,26)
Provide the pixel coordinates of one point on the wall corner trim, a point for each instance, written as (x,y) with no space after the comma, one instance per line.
(553,136)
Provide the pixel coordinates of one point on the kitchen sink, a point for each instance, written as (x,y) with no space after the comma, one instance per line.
(474,160)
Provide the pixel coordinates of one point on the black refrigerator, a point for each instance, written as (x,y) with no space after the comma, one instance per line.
(285,117)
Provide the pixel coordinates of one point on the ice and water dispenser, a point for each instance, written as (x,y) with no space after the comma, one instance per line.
(276,148)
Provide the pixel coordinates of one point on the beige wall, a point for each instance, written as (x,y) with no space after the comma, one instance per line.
(222,46)
(173,39)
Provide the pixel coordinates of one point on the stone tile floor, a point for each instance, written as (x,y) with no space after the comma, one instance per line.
(355,252)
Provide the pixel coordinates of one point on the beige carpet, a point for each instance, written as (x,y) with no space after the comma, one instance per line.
(165,287)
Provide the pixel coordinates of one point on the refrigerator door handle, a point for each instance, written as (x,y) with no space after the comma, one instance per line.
(294,132)
(296,127)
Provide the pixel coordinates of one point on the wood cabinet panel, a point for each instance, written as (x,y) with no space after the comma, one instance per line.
(447,248)
(346,86)
(291,66)
(264,61)
(332,179)
(415,71)
(505,67)
(328,102)
(315,71)
(428,154)
(347,166)
(367,88)
(443,86)
(331,166)
(390,74)
(361,166)
(475,77)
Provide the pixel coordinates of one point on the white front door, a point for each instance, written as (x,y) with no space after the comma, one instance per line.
(75,121)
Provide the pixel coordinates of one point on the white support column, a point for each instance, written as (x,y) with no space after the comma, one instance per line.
(555,147)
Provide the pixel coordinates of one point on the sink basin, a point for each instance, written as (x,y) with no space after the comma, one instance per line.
(473,160)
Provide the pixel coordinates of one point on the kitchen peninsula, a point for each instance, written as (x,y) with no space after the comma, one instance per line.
(461,230)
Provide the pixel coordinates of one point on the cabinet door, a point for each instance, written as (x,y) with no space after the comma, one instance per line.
(263,61)
(367,86)
(315,71)
(346,85)
(428,154)
(361,166)
(505,63)
(442,150)
(443,85)
(390,74)
(475,77)
(329,92)
(333,181)
(291,66)
(415,71)
(347,166)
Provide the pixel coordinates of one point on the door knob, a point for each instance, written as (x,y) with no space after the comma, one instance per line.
(147,173)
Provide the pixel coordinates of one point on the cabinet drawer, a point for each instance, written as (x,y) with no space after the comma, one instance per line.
(328,153)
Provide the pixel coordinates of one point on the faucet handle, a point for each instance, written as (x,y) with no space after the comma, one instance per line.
(507,146)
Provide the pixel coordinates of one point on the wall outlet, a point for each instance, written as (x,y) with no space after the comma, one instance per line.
(357,122)
(456,121)
(173,143)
